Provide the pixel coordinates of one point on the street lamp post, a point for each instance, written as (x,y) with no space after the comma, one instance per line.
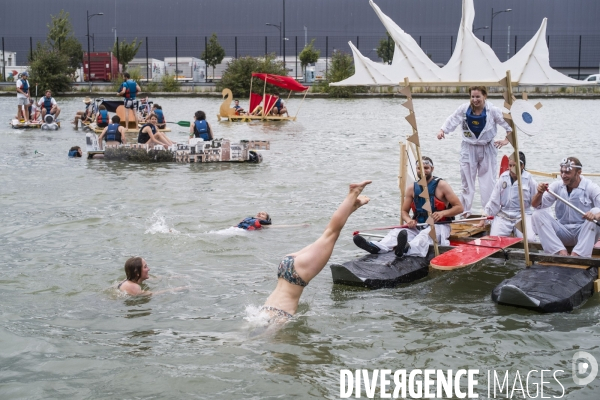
(279,29)
(494,14)
(88,40)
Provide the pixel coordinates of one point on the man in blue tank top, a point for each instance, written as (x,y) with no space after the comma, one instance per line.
(412,241)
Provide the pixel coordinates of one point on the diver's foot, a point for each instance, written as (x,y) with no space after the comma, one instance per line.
(402,244)
(363,244)
(358,187)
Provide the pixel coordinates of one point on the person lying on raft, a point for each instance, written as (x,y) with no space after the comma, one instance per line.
(200,128)
(299,268)
(505,205)
(412,241)
(137,271)
(254,223)
(114,134)
(569,228)
(150,135)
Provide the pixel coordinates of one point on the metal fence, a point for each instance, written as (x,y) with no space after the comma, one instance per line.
(566,51)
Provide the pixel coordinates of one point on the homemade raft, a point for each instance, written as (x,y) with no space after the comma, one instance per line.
(16,124)
(547,288)
(220,150)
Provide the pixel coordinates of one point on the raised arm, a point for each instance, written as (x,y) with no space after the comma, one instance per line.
(452,122)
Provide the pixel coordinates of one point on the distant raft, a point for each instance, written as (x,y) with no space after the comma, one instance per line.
(547,288)
(376,271)
(52,125)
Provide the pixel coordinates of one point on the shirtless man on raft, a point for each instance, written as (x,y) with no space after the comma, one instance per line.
(410,240)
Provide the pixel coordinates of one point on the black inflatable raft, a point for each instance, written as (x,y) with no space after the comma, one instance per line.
(547,288)
(375,271)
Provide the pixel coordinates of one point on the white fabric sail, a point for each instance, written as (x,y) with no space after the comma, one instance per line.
(471,61)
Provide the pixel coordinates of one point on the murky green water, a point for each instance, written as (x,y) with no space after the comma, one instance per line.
(68,225)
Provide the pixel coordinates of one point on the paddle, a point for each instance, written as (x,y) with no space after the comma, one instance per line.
(504,166)
(425,223)
(181,123)
(569,204)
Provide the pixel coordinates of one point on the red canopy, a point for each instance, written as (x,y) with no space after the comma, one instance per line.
(284,82)
(256,100)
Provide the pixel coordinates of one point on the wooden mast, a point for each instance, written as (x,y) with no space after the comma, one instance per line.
(423,181)
(509,98)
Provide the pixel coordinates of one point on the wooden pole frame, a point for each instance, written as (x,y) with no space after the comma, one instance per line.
(509,99)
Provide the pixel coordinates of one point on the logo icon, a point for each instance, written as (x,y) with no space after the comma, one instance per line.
(584,364)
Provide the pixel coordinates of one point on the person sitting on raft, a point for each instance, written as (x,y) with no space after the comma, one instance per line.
(102,119)
(86,115)
(114,134)
(299,268)
(278,107)
(505,205)
(75,151)
(200,128)
(157,110)
(569,228)
(254,223)
(150,135)
(34,111)
(238,109)
(410,240)
(48,105)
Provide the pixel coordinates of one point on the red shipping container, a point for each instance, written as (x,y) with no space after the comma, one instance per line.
(105,66)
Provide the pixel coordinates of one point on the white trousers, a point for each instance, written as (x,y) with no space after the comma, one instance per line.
(554,236)
(506,227)
(477,161)
(419,240)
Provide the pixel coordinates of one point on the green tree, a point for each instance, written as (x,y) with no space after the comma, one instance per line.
(48,70)
(308,55)
(213,54)
(385,50)
(61,38)
(340,68)
(126,51)
(238,74)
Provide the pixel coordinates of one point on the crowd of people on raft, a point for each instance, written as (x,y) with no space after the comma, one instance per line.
(478,119)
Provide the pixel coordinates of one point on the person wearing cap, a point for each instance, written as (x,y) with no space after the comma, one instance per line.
(86,115)
(23,97)
(569,228)
(479,120)
(504,204)
(414,240)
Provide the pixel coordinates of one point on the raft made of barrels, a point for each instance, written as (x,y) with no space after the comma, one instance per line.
(376,271)
(547,288)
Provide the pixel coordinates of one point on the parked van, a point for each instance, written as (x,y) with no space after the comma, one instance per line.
(593,79)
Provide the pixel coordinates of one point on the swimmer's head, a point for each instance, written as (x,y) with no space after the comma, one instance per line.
(263,216)
(136,269)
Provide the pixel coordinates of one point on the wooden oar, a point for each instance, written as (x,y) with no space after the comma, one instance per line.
(181,123)
(570,205)
(425,223)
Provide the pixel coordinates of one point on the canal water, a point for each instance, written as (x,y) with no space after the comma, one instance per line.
(68,225)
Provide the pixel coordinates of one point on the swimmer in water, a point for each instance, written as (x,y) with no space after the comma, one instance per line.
(137,271)
(299,268)
(260,220)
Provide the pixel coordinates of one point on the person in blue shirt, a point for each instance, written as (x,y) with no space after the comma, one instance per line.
(129,89)
(157,110)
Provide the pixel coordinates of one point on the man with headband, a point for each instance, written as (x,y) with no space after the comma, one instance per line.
(505,205)
(414,240)
(569,228)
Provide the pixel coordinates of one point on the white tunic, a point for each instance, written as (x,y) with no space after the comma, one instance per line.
(478,156)
(504,204)
(569,229)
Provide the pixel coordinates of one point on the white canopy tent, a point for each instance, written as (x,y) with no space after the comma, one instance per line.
(472,61)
